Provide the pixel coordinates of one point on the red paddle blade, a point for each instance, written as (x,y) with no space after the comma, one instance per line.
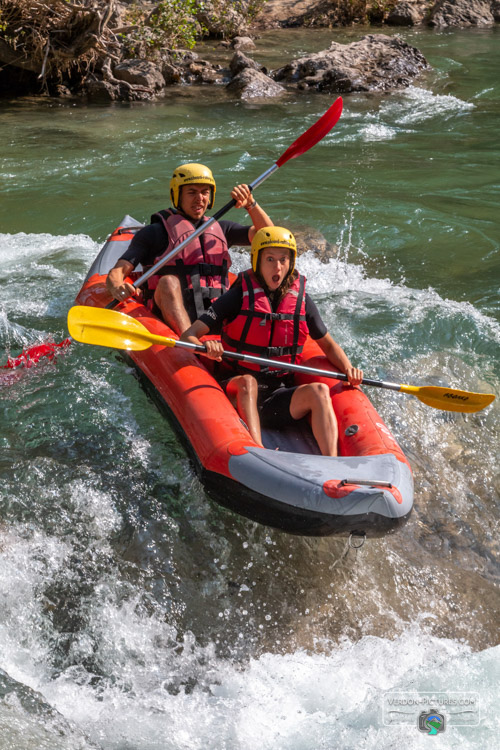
(314,134)
(30,357)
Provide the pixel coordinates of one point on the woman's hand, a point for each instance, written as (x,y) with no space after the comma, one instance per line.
(243,196)
(214,349)
(354,375)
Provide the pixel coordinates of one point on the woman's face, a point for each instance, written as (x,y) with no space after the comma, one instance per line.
(274,264)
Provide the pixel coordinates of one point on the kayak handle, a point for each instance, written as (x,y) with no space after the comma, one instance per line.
(367,482)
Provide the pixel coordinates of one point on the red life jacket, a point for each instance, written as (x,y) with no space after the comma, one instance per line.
(203,264)
(257,330)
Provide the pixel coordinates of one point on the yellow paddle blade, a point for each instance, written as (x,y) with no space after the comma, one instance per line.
(91,325)
(449,399)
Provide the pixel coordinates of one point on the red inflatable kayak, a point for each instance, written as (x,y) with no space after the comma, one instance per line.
(367,489)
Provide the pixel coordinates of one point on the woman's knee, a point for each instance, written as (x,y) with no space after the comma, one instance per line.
(242,385)
(248,385)
(317,392)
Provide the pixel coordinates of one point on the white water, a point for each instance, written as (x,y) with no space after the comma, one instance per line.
(163,690)
(132,676)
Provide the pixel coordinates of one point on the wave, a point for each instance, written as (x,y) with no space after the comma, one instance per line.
(401,113)
(165,691)
(415,105)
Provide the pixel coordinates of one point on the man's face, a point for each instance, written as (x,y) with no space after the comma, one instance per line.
(194,200)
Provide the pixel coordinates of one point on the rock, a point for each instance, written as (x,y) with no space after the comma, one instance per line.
(312,239)
(202,71)
(252,84)
(243,42)
(374,63)
(407,13)
(102,91)
(63,91)
(139,73)
(495,9)
(292,13)
(241,61)
(462,13)
(185,56)
(171,73)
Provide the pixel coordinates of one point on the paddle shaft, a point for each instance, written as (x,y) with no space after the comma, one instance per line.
(92,325)
(289,366)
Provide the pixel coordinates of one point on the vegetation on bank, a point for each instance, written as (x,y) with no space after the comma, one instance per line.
(60,42)
(63,46)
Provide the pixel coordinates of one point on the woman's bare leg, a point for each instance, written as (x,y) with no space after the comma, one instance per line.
(242,391)
(314,399)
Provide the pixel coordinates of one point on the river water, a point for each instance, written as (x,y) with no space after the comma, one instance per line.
(135,614)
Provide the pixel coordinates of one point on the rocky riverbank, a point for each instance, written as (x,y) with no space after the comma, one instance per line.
(105,50)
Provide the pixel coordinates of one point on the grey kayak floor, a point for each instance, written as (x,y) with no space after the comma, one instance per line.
(297,438)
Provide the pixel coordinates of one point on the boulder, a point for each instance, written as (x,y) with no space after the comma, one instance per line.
(243,42)
(407,13)
(101,92)
(462,13)
(241,61)
(202,71)
(375,63)
(171,73)
(293,13)
(139,73)
(308,238)
(252,84)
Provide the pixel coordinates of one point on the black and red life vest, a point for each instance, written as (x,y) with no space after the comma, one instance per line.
(260,331)
(203,264)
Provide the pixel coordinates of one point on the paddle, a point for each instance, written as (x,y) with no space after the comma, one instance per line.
(307,140)
(303,143)
(91,325)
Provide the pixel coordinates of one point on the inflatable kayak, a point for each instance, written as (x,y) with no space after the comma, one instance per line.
(289,485)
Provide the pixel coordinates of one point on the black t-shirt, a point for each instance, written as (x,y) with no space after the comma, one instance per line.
(227,307)
(152,241)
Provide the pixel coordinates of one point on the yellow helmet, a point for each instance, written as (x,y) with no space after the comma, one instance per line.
(189,174)
(273,237)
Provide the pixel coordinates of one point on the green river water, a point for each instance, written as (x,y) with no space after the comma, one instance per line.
(136,614)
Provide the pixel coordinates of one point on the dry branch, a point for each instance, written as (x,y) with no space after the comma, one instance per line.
(54,38)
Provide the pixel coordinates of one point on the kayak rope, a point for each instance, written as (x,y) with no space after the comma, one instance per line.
(342,556)
(349,545)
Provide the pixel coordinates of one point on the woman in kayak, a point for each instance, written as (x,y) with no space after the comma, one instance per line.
(268,313)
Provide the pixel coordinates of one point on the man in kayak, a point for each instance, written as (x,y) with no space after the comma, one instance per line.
(267,312)
(183,289)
